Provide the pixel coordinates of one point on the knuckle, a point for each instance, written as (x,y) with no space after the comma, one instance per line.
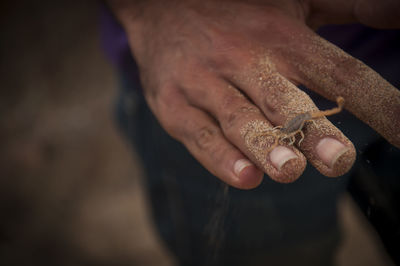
(204,138)
(344,71)
(234,117)
(232,99)
(349,65)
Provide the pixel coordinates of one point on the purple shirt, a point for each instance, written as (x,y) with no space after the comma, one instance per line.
(114,40)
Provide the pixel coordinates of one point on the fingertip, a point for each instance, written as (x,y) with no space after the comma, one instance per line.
(248,176)
(280,155)
(289,164)
(291,171)
(343,163)
(336,156)
(330,150)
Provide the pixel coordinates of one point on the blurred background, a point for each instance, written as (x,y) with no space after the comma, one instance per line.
(70,186)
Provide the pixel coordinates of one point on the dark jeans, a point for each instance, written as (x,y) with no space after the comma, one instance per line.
(205,223)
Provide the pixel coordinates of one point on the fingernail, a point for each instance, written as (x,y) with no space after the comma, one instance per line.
(280,155)
(329,150)
(240,165)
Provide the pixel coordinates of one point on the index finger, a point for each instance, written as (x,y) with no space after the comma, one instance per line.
(328,70)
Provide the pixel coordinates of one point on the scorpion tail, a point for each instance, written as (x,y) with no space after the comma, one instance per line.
(340,103)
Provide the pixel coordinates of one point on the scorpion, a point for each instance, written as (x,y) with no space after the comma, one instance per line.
(296,124)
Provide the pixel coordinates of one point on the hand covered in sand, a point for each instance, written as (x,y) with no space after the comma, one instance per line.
(219,74)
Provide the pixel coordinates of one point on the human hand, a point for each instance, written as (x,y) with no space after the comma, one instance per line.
(219,74)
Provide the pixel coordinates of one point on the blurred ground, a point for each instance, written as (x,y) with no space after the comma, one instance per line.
(70,189)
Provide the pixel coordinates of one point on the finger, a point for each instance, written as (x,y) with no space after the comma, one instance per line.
(205,141)
(331,72)
(247,128)
(324,145)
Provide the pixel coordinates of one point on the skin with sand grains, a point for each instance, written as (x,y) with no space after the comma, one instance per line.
(292,127)
(217,74)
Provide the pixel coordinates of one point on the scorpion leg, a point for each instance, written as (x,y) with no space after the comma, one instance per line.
(273,130)
(276,142)
(302,137)
(315,124)
(292,139)
(284,138)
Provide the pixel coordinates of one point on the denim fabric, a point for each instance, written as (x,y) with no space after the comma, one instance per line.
(285,223)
